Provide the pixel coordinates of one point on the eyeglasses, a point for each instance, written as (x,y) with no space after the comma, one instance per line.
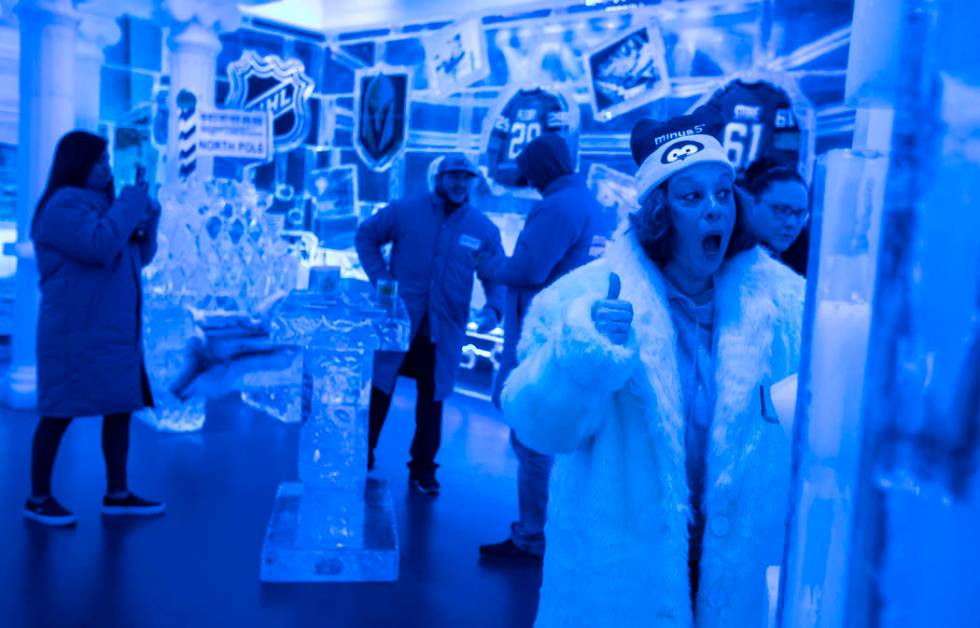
(785,212)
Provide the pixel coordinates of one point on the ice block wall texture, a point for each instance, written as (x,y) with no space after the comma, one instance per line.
(915,548)
(883,533)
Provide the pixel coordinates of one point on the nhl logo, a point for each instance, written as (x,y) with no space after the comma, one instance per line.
(381,123)
(280,87)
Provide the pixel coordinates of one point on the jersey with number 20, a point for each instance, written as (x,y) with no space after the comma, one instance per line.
(527,114)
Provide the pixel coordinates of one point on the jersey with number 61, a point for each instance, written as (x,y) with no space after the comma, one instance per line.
(525,116)
(759,122)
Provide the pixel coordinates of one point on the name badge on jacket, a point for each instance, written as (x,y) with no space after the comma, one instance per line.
(470,242)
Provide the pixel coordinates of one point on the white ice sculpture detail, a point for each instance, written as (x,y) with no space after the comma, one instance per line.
(219,250)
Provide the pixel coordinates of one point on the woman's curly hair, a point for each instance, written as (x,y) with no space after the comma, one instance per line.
(655,228)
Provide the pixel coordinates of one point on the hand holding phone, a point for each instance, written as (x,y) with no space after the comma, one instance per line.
(141,181)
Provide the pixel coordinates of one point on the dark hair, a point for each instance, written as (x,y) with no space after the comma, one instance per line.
(655,228)
(765,172)
(76,154)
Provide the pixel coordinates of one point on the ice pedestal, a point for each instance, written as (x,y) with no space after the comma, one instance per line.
(335,524)
(310,539)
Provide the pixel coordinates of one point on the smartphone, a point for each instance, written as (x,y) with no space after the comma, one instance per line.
(141,183)
(140,180)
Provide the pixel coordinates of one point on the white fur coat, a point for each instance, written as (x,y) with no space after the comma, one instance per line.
(617,531)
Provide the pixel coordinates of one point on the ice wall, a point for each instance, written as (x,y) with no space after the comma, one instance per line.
(887,495)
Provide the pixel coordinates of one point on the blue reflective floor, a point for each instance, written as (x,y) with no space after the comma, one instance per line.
(199,564)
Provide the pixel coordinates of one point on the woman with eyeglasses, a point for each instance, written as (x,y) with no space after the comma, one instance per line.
(779,211)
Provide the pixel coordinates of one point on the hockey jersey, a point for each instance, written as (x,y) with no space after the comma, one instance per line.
(526,115)
(759,122)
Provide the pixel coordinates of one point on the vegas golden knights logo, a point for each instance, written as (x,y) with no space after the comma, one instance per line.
(381,126)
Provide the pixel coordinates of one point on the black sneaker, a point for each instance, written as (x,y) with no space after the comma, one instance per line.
(131,505)
(425,482)
(49,512)
(509,552)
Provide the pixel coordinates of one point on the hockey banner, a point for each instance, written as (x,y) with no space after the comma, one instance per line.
(456,57)
(628,72)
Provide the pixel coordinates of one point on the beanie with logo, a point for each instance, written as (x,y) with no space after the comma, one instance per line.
(663,149)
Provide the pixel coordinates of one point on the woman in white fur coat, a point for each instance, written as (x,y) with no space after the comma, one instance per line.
(670,487)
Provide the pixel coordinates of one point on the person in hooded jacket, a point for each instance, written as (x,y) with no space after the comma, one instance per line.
(645,372)
(562,232)
(90,247)
(438,241)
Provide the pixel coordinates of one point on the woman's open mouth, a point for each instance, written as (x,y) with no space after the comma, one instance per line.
(711,243)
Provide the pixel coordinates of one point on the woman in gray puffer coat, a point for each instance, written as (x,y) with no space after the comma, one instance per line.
(90,248)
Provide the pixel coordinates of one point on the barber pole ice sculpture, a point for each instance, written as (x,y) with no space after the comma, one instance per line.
(187,133)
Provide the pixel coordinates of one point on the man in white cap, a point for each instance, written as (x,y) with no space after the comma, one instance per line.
(438,241)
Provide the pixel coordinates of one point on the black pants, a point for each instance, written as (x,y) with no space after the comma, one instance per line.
(47,439)
(695,545)
(420,365)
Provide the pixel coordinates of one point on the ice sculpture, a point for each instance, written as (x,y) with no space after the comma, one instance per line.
(219,251)
(335,524)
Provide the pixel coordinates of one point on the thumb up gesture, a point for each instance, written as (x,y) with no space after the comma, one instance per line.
(613,318)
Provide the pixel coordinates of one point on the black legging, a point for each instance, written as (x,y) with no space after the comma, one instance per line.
(115,450)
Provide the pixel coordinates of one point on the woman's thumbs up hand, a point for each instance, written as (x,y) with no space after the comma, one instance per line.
(613,317)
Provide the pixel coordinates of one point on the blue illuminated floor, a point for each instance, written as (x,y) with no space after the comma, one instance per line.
(198,565)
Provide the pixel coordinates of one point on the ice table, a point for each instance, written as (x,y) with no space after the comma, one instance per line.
(335,524)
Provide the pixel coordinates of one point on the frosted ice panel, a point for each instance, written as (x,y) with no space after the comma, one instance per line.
(167,326)
(283,403)
(916,547)
(277,393)
(331,538)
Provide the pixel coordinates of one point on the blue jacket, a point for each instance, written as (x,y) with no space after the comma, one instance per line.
(562,232)
(89,333)
(433,258)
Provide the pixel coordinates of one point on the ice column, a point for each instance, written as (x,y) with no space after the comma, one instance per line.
(846,223)
(48,30)
(98,29)
(194,48)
